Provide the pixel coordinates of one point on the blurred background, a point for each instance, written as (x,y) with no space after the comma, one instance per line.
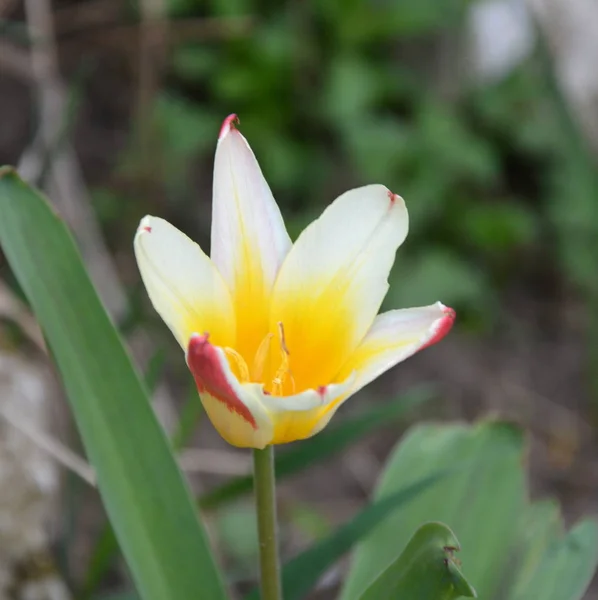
(483,115)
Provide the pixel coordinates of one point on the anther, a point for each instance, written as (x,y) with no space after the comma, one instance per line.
(284,370)
(283,343)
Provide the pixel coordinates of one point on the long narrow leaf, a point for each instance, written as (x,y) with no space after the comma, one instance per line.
(145,496)
(106,550)
(567,567)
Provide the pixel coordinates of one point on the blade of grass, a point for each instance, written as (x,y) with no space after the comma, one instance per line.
(144,494)
(103,556)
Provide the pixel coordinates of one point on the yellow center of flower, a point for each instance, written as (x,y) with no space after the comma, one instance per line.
(278,381)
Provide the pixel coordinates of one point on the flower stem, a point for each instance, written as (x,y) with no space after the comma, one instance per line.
(264,484)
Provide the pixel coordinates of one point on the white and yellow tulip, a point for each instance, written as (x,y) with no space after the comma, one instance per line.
(278,335)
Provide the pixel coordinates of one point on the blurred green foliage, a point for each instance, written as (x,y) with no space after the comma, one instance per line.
(334,94)
(511,549)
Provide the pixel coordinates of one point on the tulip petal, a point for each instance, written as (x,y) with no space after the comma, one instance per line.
(331,284)
(243,414)
(395,336)
(184,286)
(303,415)
(249,239)
(234,409)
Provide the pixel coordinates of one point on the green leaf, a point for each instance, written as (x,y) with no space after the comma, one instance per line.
(102,557)
(481,501)
(194,62)
(539,527)
(117,596)
(567,567)
(451,146)
(426,569)
(378,146)
(145,496)
(106,548)
(498,228)
(332,440)
(359,23)
(302,572)
(438,273)
(351,89)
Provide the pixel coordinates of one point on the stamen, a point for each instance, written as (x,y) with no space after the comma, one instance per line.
(239,362)
(278,382)
(278,386)
(284,370)
(281,373)
(259,362)
(283,343)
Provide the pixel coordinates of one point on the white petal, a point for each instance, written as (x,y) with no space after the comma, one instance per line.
(249,239)
(331,285)
(235,409)
(184,286)
(395,336)
(246,221)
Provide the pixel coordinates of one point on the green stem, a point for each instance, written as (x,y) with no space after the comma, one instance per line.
(264,483)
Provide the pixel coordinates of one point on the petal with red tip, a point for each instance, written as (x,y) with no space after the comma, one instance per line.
(249,238)
(395,336)
(334,279)
(234,409)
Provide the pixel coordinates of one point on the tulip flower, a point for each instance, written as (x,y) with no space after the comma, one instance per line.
(278,335)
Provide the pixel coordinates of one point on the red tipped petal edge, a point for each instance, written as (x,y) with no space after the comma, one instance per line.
(227,125)
(443,326)
(204,363)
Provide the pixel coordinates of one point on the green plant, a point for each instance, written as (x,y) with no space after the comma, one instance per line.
(469,477)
